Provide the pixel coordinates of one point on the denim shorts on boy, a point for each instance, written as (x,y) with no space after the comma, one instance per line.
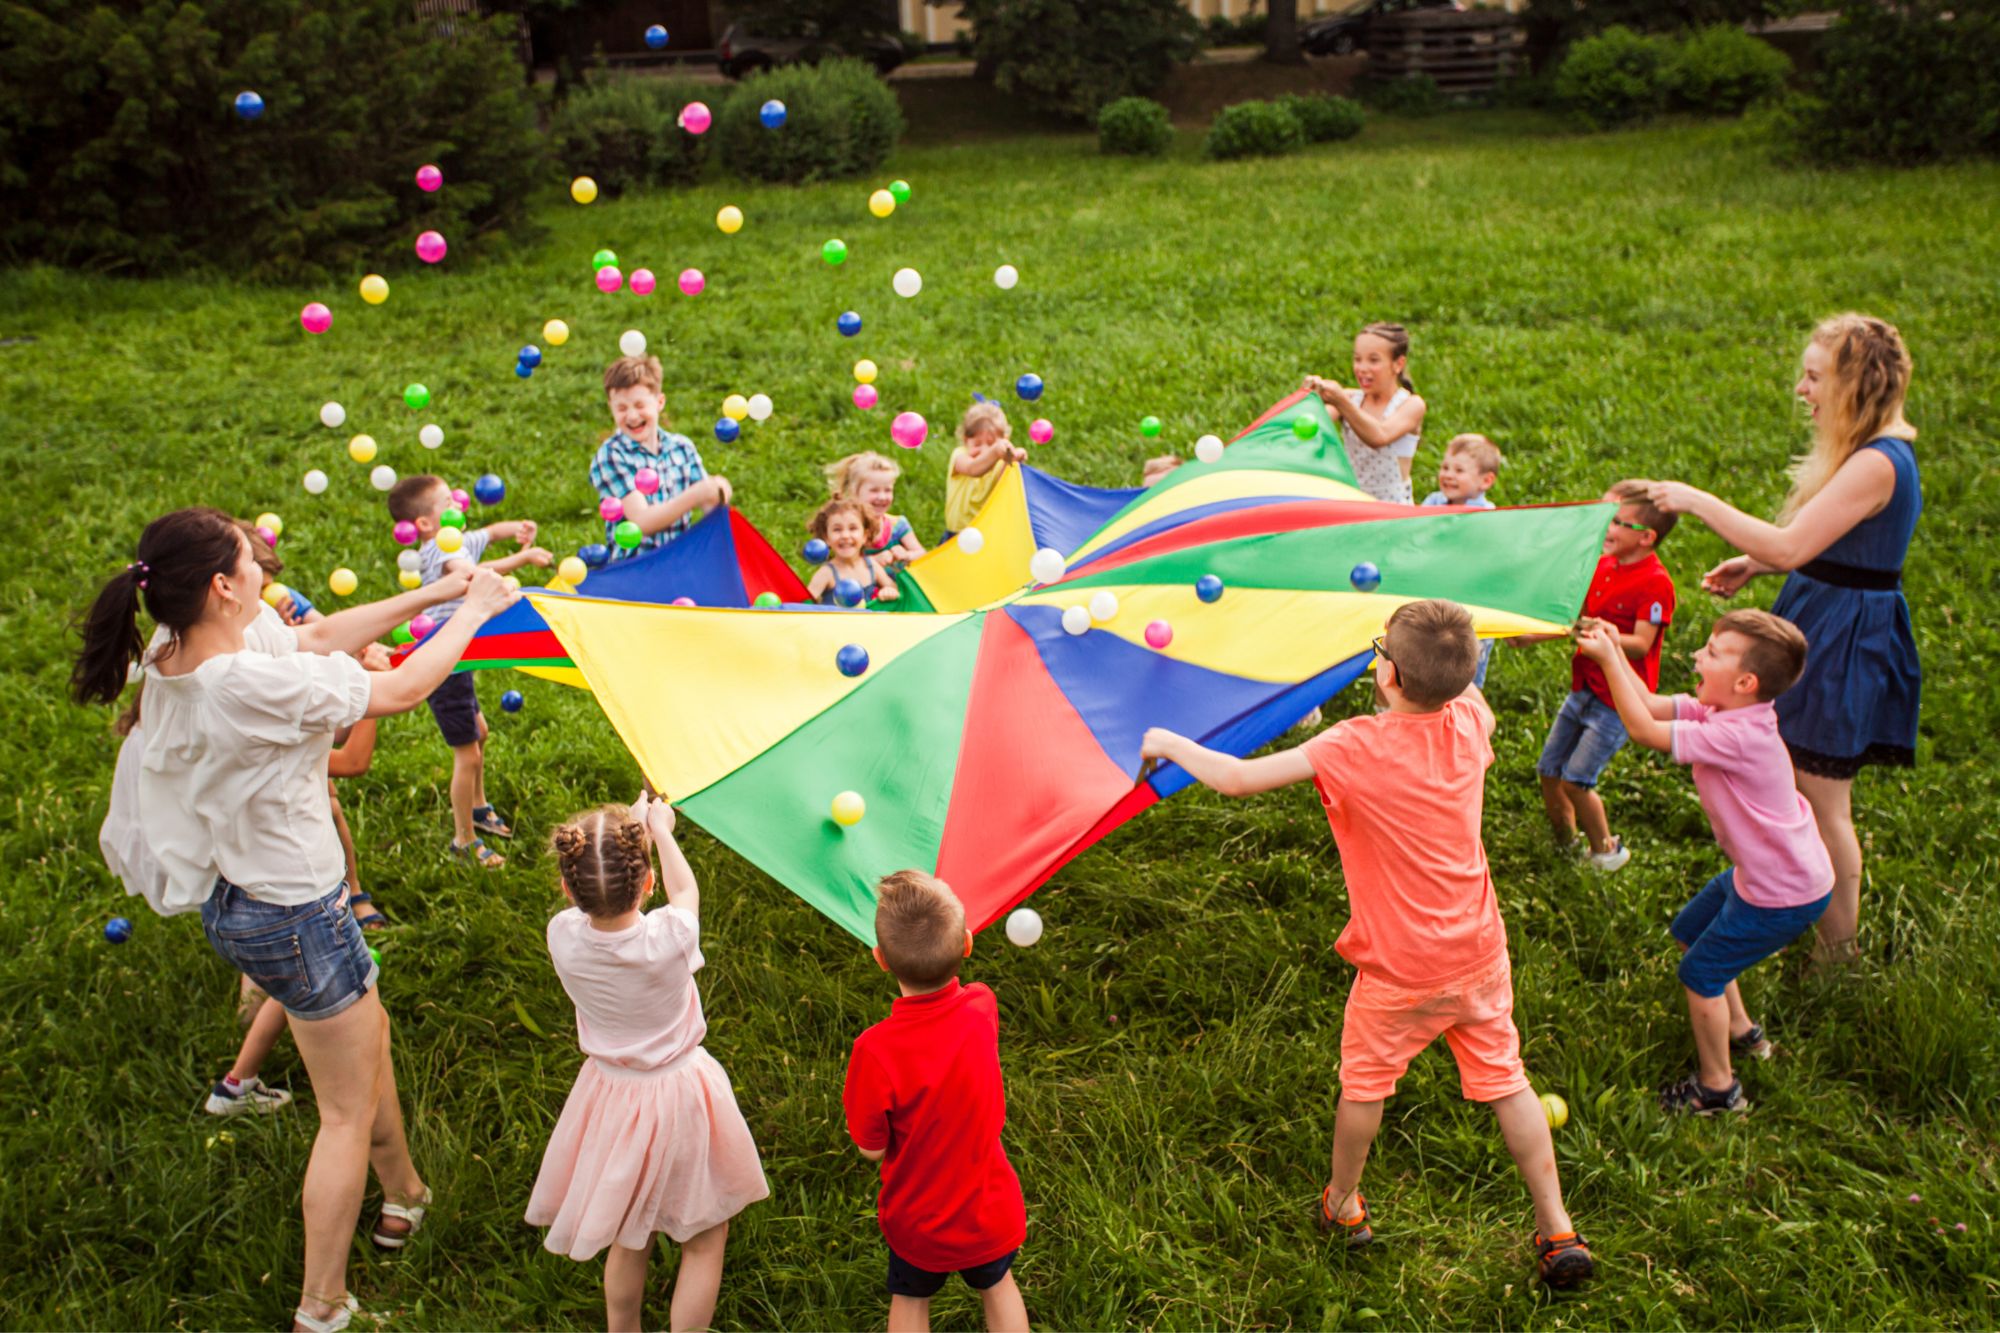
(906,1279)
(1726,936)
(310,957)
(1584,736)
(455,705)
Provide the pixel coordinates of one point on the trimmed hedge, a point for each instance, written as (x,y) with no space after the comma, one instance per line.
(841,120)
(1723,70)
(1136,126)
(1253,129)
(1323,117)
(625,133)
(1615,78)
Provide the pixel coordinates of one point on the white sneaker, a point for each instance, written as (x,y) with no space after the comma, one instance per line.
(1611,860)
(254,1098)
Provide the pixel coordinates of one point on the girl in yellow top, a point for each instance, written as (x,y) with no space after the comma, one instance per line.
(981,459)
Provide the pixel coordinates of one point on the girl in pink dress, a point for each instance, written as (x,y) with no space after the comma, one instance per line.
(651,1139)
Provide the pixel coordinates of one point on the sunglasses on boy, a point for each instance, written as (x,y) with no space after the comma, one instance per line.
(1635,527)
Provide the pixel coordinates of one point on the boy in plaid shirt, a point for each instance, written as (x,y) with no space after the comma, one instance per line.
(639,444)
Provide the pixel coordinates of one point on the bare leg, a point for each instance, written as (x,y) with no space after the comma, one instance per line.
(388,1149)
(479,795)
(1006,1312)
(264,1031)
(1525,1126)
(1590,815)
(625,1289)
(468,776)
(1355,1125)
(1739,1017)
(699,1282)
(909,1314)
(1832,801)
(1710,1018)
(1562,815)
(343,1056)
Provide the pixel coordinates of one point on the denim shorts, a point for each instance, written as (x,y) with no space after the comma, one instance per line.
(1585,735)
(455,705)
(1726,937)
(906,1279)
(310,958)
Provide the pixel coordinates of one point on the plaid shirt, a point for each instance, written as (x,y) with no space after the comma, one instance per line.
(615,470)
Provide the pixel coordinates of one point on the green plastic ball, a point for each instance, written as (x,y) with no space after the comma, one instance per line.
(627,534)
(451,517)
(834,252)
(900,191)
(416,396)
(603,259)
(1149,427)
(766,599)
(1305,428)
(401,635)
(375,955)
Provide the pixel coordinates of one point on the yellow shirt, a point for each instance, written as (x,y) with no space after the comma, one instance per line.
(964,495)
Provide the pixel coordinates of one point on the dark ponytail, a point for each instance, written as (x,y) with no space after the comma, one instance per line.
(179,553)
(1398,339)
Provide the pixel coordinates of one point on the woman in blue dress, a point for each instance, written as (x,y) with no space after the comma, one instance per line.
(1840,540)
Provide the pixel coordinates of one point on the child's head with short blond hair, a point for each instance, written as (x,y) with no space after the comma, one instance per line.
(1158,467)
(920,931)
(869,479)
(1772,649)
(632,391)
(1470,466)
(603,858)
(984,422)
(1433,650)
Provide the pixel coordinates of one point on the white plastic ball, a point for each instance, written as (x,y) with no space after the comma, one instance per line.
(383,477)
(431,436)
(409,561)
(1103,605)
(1005,277)
(1209,449)
(760,407)
(632,343)
(1076,619)
(1047,565)
(315,482)
(332,415)
(971,540)
(1024,927)
(908,282)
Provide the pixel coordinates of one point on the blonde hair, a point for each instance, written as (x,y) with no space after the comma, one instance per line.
(1485,454)
(988,413)
(1862,398)
(602,854)
(1434,651)
(844,475)
(920,928)
(1775,653)
(1398,339)
(633,371)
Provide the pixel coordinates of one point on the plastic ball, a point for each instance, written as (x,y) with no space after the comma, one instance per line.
(416,396)
(761,406)
(971,540)
(772,113)
(881,203)
(555,333)
(409,562)
(531,355)
(643,282)
(523,371)
(646,481)
(766,600)
(374,955)
(1005,277)
(271,521)
(249,106)
(852,660)
(405,532)
(1556,1109)
(511,701)
(631,342)
(695,118)
(1208,449)
(583,189)
(431,436)
(684,601)
(1028,387)
(274,593)
(866,396)
(899,191)
(909,429)
(656,36)
(603,259)
(382,477)
(431,247)
(1208,587)
(1366,576)
(816,551)
(1103,605)
(429,178)
(834,251)
(332,415)
(409,579)
(268,537)
(727,430)
(1047,565)
(361,448)
(611,509)
(402,635)
(1041,430)
(627,534)
(594,555)
(1304,428)
(1159,634)
(489,489)
(848,593)
(119,929)
(1075,619)
(450,540)
(609,279)
(865,371)
(374,289)
(736,407)
(691,282)
(1149,427)
(729,219)
(421,626)
(907,282)
(315,482)
(848,808)
(315,318)
(572,570)
(849,324)
(460,500)
(1024,927)
(342,581)
(451,517)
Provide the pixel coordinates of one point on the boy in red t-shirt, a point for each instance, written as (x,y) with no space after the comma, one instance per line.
(924,1099)
(1404,791)
(1633,594)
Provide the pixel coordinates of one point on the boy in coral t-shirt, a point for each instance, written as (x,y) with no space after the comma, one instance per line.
(1404,791)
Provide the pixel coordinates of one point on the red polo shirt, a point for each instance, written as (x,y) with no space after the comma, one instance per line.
(924,1083)
(1625,595)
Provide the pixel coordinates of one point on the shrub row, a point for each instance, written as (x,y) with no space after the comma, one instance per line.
(1251,129)
(1620,77)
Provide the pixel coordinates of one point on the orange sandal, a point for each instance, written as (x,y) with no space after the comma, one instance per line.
(1358,1231)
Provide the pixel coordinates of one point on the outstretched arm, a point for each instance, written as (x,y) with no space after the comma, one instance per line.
(1225,772)
(352,630)
(1648,717)
(1862,488)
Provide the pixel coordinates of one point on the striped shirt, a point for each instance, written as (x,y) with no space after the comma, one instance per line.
(615,474)
(432,562)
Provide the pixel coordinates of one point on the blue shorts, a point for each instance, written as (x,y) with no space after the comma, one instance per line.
(1485,659)
(1726,937)
(310,958)
(455,705)
(906,1279)
(1585,735)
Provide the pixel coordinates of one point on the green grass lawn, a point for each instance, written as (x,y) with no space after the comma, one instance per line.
(1603,306)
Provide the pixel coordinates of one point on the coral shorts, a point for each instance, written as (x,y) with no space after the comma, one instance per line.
(1386,1026)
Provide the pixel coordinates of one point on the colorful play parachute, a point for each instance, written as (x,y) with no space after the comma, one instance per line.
(993,745)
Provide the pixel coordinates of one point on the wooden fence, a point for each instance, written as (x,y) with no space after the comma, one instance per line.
(1466,52)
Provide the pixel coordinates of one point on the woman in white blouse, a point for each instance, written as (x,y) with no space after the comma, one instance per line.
(233,802)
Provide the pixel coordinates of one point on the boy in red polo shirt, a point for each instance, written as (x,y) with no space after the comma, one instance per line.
(1633,594)
(924,1099)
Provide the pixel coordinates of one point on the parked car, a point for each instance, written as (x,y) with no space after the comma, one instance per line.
(743,52)
(1344,34)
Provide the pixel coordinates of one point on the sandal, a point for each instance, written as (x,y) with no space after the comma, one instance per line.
(411,1214)
(343,1314)
(1359,1233)
(374,920)
(1563,1260)
(487,820)
(477,850)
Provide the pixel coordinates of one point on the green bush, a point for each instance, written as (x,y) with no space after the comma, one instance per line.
(1323,117)
(1253,129)
(1614,78)
(1417,95)
(1723,69)
(1134,125)
(1904,85)
(625,133)
(841,120)
(1246,29)
(1070,57)
(119,148)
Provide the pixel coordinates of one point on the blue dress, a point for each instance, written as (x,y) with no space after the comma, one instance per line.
(1856,702)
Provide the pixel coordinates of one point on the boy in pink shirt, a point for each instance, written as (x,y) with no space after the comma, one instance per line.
(1780,878)
(1404,791)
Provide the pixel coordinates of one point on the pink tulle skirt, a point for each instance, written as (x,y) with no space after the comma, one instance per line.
(637,1152)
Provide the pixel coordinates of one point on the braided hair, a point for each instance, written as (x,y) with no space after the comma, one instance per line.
(603,855)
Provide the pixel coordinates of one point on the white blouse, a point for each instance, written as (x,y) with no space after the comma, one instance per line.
(1376,470)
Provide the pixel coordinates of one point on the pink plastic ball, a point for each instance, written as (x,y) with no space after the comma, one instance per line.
(685,601)
(421,626)
(692,282)
(695,118)
(315,318)
(1159,634)
(406,533)
(1040,431)
(643,281)
(429,178)
(611,509)
(909,429)
(430,247)
(609,279)
(645,481)
(460,500)
(270,537)
(865,396)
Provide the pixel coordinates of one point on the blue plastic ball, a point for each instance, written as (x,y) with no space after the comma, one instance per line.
(511,701)
(489,489)
(1029,386)
(1208,587)
(118,929)
(523,369)
(816,551)
(656,37)
(852,660)
(1365,577)
(531,356)
(727,430)
(848,593)
(849,324)
(772,113)
(249,106)
(595,555)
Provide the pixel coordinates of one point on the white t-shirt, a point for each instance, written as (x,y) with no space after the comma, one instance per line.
(432,563)
(636,1002)
(1376,471)
(233,778)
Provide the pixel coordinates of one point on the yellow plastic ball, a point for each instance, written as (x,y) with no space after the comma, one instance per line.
(848,807)
(274,593)
(342,581)
(555,333)
(1556,1109)
(736,407)
(881,203)
(374,289)
(513,582)
(450,539)
(572,570)
(730,218)
(583,189)
(410,579)
(267,519)
(864,371)
(361,448)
